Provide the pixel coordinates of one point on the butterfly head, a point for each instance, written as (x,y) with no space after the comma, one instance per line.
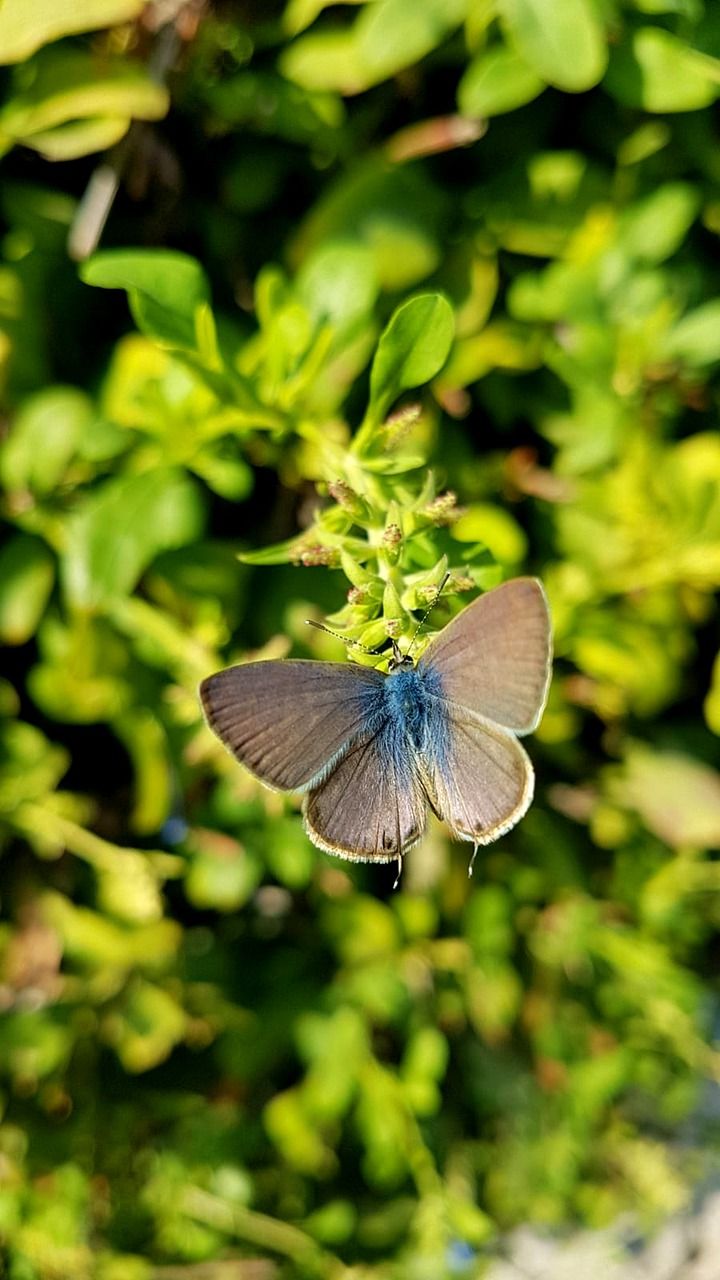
(400,661)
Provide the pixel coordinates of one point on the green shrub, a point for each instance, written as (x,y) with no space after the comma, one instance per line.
(414,288)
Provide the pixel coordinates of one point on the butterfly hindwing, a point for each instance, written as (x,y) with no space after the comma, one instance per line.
(485,784)
(494,658)
(289,721)
(371,807)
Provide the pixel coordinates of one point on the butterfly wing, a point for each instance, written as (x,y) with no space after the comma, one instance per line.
(289,721)
(371,808)
(484,782)
(494,658)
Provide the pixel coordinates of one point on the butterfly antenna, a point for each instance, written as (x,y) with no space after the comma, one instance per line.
(320,626)
(427,612)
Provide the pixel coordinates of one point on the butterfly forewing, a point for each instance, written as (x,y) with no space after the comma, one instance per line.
(485,784)
(370,808)
(494,658)
(289,721)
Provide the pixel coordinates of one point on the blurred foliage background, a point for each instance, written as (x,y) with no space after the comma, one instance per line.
(224,1054)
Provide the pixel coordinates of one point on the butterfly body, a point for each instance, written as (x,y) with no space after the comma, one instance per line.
(407,704)
(371,752)
(404,718)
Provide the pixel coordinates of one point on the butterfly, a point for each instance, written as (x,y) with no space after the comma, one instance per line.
(372,751)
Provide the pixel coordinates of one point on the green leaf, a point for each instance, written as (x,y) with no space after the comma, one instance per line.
(290,856)
(229,476)
(27,572)
(120,530)
(301,13)
(128,889)
(32,766)
(221,873)
(562,41)
(43,439)
(711,705)
(146,1027)
(338,284)
(654,228)
(500,345)
(496,81)
(79,138)
(388,36)
(325,60)
(411,350)
(695,339)
(267,102)
(393,210)
(677,797)
(83,674)
(656,71)
(291,551)
(333,1223)
(165,289)
(26,27)
(393,34)
(9,701)
(32,1050)
(65,85)
(493,528)
(296,1137)
(94,941)
(147,745)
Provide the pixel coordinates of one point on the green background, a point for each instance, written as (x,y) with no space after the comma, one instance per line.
(387,290)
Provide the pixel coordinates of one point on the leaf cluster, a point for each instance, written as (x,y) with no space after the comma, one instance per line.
(396,294)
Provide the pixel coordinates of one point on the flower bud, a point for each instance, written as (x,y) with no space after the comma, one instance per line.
(348,499)
(392,542)
(443,509)
(315,554)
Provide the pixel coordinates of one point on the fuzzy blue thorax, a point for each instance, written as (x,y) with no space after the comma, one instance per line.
(408,716)
(407,703)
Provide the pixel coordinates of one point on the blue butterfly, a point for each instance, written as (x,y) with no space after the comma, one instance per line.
(372,751)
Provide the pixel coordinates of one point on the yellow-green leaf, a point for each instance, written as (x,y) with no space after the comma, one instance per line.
(657,71)
(563,41)
(26,25)
(496,81)
(64,85)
